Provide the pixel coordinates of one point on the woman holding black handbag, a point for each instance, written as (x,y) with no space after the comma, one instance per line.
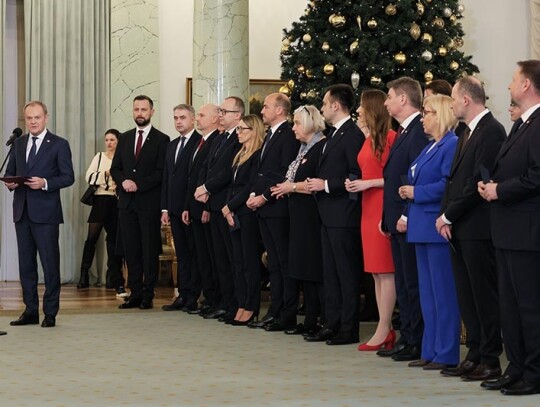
(104,214)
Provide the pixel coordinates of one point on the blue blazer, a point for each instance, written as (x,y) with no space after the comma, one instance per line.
(52,162)
(429,181)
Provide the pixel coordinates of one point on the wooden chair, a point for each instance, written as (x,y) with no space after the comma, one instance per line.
(167,259)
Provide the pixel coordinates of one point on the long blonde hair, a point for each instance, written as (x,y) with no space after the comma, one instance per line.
(256,125)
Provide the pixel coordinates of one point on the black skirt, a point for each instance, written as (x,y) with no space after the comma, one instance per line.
(104,208)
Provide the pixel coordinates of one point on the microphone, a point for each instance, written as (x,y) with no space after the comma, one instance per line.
(16,133)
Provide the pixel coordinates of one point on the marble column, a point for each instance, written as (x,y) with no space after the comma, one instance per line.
(134,58)
(220,51)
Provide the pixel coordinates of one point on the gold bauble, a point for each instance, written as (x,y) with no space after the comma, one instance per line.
(390,10)
(427,38)
(400,58)
(284,49)
(459,42)
(303,95)
(285,90)
(454,66)
(453,19)
(306,38)
(331,18)
(325,47)
(301,69)
(309,74)
(375,80)
(372,24)
(460,8)
(290,84)
(428,76)
(328,69)
(286,42)
(420,8)
(447,12)
(312,94)
(338,21)
(354,46)
(443,51)
(438,23)
(451,44)
(415,31)
(428,1)
(359,22)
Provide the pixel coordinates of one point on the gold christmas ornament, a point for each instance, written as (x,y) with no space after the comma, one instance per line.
(284,49)
(309,74)
(312,94)
(303,95)
(415,31)
(359,22)
(328,69)
(290,84)
(427,55)
(390,10)
(285,90)
(451,44)
(372,24)
(454,66)
(459,42)
(286,42)
(375,80)
(453,19)
(420,8)
(428,76)
(354,47)
(460,8)
(427,38)
(301,69)
(355,79)
(442,51)
(400,58)
(338,21)
(447,12)
(428,1)
(331,18)
(438,23)
(325,47)
(306,38)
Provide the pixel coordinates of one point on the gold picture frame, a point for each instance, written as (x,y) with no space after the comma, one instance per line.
(258,90)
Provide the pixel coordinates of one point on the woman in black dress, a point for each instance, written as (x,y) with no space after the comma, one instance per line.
(243,221)
(305,262)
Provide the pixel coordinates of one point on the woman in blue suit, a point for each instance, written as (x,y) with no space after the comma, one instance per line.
(427,178)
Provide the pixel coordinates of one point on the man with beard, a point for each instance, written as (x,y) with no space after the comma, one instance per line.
(137,169)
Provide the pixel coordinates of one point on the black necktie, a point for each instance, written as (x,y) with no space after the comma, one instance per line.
(266,140)
(182,141)
(222,141)
(466,135)
(517,124)
(399,131)
(330,133)
(32,154)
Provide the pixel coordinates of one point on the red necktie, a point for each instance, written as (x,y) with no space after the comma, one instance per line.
(200,144)
(139,144)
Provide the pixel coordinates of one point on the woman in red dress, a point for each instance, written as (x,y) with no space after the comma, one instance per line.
(375,122)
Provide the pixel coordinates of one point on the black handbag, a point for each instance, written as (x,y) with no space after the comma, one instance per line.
(88,197)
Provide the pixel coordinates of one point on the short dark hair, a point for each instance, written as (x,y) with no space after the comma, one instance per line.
(184,106)
(113,131)
(144,97)
(471,86)
(238,104)
(410,87)
(439,87)
(343,94)
(531,70)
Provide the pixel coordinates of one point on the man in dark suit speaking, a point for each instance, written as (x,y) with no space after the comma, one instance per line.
(137,169)
(45,159)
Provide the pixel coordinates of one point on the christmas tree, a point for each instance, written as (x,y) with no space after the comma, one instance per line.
(367,43)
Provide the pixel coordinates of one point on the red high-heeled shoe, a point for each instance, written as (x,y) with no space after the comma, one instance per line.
(388,343)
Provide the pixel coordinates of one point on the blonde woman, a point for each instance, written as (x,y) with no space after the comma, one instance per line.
(243,221)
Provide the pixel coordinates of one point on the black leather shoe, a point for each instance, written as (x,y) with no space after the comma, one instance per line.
(207,309)
(267,319)
(322,336)
(191,307)
(297,330)
(176,305)
(465,367)
(216,314)
(342,339)
(2,333)
(131,303)
(227,318)
(26,319)
(276,326)
(408,354)
(196,311)
(146,304)
(521,388)
(312,330)
(48,322)
(437,366)
(388,353)
(504,381)
(482,373)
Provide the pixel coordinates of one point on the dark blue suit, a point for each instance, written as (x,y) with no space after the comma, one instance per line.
(37,215)
(440,342)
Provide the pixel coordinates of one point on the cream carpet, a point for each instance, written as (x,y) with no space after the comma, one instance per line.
(156,358)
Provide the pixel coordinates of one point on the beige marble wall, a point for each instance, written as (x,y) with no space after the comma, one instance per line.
(134,58)
(220,50)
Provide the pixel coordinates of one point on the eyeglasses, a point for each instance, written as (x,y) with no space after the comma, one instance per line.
(225,111)
(425,112)
(240,129)
(303,107)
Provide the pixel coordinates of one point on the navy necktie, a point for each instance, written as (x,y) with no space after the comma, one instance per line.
(517,124)
(179,151)
(222,141)
(32,154)
(266,140)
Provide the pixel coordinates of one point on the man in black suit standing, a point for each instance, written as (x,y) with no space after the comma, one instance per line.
(340,218)
(45,159)
(514,193)
(137,169)
(403,103)
(464,221)
(212,190)
(196,215)
(173,198)
(278,151)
